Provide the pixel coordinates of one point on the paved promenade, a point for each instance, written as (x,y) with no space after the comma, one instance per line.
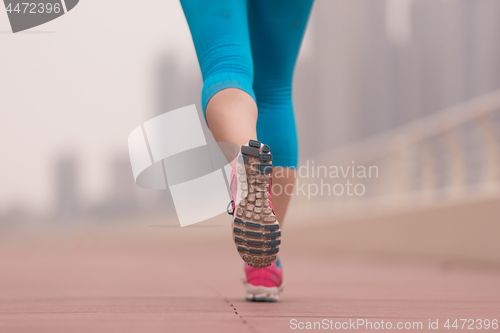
(165,279)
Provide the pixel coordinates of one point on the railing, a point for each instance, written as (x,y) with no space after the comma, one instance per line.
(449,154)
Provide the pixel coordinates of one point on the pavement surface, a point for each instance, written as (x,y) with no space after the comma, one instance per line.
(167,279)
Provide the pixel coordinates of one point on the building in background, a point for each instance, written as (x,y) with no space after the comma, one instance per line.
(67,186)
(379,64)
(176,87)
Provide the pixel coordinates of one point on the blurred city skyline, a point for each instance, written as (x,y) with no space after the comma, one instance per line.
(366,67)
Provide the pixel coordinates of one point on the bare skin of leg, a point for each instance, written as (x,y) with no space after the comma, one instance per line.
(232,117)
(283,183)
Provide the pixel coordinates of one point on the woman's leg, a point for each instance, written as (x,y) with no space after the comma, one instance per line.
(220,35)
(221,38)
(232,116)
(276,30)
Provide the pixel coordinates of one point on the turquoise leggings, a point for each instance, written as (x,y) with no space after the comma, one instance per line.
(253,45)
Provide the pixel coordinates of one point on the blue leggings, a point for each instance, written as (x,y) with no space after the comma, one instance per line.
(252,45)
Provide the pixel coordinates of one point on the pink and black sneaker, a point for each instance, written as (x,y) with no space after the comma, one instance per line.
(264,284)
(256,231)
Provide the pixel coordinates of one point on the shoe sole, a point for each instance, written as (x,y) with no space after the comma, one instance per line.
(256,231)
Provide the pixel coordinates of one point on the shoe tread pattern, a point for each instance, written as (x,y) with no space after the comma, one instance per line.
(256,231)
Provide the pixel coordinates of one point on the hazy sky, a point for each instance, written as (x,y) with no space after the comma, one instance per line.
(81,84)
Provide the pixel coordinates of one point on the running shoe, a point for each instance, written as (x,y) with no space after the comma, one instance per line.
(256,232)
(264,284)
